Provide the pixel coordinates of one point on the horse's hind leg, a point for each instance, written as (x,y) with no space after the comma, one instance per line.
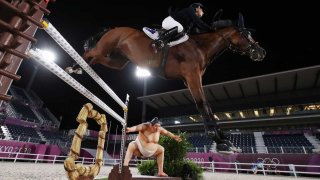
(94,57)
(89,56)
(113,63)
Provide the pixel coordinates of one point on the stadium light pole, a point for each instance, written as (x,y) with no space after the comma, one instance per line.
(108,136)
(50,56)
(144,74)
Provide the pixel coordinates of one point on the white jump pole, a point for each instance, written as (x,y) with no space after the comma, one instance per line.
(52,31)
(55,69)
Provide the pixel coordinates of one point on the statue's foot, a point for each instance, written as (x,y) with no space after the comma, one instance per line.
(162,174)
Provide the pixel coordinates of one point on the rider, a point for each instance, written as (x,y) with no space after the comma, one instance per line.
(178,24)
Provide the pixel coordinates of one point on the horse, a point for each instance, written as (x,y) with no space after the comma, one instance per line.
(186,61)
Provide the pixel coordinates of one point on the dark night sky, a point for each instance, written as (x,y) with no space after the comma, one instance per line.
(288,33)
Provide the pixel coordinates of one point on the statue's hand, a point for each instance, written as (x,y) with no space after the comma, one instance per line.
(177,138)
(129,129)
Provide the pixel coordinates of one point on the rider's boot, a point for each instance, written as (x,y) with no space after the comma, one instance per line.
(152,33)
(165,37)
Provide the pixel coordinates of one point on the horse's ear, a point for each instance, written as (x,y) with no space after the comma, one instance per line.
(217,15)
(241,21)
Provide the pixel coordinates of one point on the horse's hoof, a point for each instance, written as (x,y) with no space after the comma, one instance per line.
(213,135)
(226,147)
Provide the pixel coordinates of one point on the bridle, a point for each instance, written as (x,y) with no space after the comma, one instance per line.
(244,34)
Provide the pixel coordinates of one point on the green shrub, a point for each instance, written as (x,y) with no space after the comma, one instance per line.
(148,168)
(174,151)
(174,163)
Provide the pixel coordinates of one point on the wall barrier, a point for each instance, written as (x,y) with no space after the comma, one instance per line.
(231,167)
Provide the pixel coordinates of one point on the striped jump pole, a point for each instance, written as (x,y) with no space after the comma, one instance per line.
(55,69)
(52,31)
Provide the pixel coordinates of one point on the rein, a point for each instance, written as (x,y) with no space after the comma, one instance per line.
(235,49)
(221,52)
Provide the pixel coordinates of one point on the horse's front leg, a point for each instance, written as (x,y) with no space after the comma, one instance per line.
(210,124)
(194,84)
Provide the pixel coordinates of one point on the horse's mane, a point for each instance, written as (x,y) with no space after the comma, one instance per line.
(92,41)
(219,24)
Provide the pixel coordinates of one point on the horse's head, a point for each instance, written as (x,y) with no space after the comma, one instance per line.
(241,41)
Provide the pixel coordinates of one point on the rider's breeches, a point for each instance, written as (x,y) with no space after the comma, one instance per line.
(169,23)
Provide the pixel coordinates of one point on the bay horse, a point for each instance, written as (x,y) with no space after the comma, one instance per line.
(187,61)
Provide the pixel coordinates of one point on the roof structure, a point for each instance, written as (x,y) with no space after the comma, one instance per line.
(283,89)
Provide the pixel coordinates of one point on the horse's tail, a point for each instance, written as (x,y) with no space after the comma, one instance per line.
(92,41)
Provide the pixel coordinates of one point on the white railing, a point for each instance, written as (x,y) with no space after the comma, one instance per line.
(265,169)
(269,149)
(42,158)
(38,140)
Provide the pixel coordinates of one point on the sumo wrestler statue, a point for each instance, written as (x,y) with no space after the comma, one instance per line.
(146,143)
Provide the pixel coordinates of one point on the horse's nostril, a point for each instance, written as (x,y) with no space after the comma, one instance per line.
(261,53)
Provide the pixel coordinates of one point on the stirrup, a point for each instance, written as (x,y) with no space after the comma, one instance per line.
(159,44)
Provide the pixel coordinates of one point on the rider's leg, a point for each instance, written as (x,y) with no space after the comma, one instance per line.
(172,27)
(165,37)
(169,23)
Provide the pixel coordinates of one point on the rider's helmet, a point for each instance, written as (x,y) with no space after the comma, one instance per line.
(195,5)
